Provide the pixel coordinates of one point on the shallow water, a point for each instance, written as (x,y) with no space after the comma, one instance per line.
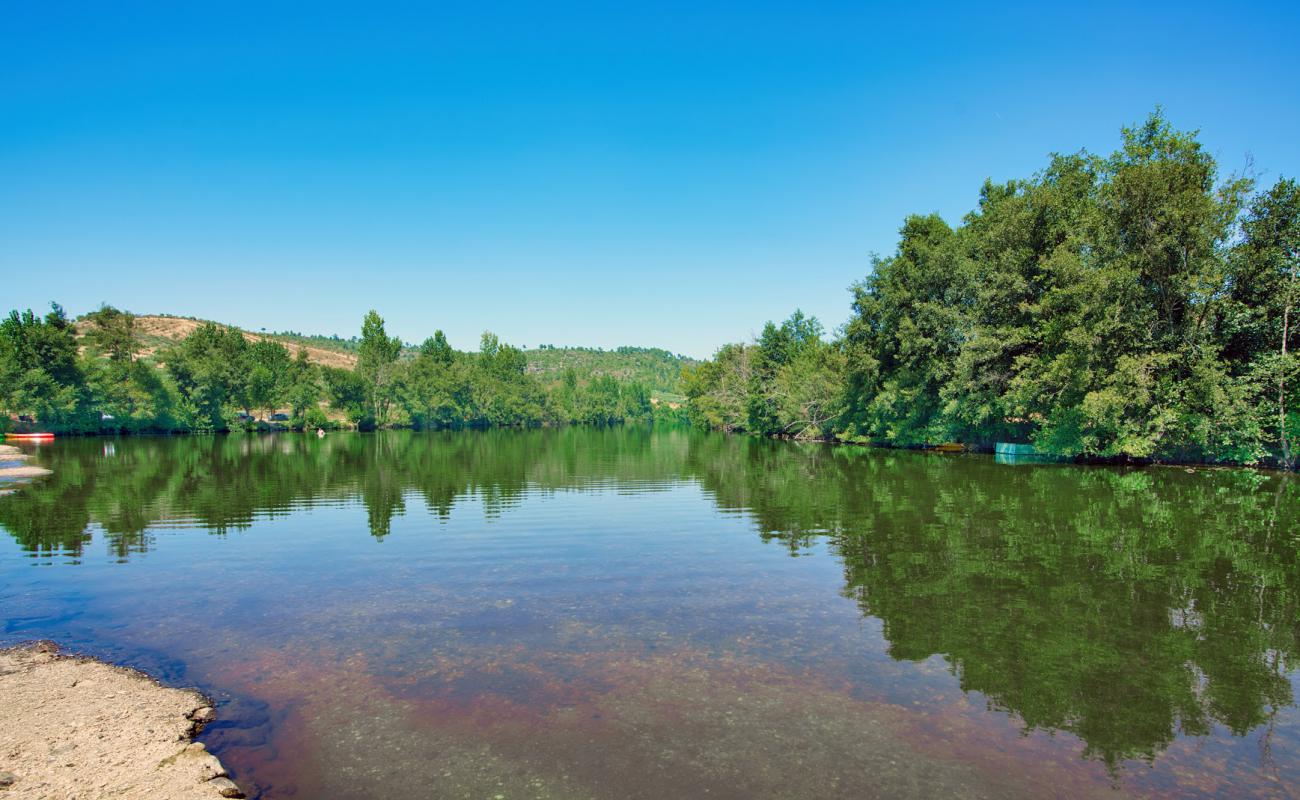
(627,613)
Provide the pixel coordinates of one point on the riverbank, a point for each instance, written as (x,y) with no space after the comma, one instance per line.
(1267,463)
(77,727)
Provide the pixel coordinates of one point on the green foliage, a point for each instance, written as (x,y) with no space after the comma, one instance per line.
(790,383)
(656,369)
(717,391)
(268,374)
(376,364)
(437,349)
(132,396)
(494,387)
(211,371)
(302,386)
(434,389)
(346,391)
(335,343)
(197,384)
(39,374)
(1131,307)
(113,333)
(313,418)
(220,378)
(1260,311)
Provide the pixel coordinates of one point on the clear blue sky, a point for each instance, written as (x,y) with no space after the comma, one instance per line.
(601,174)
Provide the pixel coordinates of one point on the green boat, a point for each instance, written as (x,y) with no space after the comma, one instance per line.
(1016,453)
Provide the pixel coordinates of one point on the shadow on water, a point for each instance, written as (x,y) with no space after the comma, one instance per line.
(1138,610)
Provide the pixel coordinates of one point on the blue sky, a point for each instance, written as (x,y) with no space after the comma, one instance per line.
(599,174)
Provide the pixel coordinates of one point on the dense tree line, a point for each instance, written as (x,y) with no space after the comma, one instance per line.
(89,377)
(1135,306)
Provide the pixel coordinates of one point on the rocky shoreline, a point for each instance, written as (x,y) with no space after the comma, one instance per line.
(72,726)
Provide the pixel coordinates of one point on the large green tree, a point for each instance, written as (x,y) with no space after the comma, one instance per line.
(433,388)
(112,331)
(39,373)
(377,365)
(911,317)
(1260,320)
(211,370)
(302,385)
(269,375)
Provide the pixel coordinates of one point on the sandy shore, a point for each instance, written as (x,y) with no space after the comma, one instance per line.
(74,727)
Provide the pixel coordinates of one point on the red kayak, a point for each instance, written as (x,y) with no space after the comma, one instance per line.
(29,436)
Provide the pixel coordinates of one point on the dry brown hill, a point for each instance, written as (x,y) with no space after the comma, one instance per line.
(156,332)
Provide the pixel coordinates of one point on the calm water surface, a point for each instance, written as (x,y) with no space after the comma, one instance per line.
(660,614)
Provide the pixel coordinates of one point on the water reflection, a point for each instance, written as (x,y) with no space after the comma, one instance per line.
(1129,608)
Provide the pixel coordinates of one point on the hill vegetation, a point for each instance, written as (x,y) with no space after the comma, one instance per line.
(111,371)
(657,369)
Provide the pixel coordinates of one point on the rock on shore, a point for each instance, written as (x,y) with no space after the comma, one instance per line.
(76,727)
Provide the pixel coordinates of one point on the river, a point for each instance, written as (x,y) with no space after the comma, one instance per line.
(636,613)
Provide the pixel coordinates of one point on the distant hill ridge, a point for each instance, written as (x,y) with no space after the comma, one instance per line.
(656,368)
